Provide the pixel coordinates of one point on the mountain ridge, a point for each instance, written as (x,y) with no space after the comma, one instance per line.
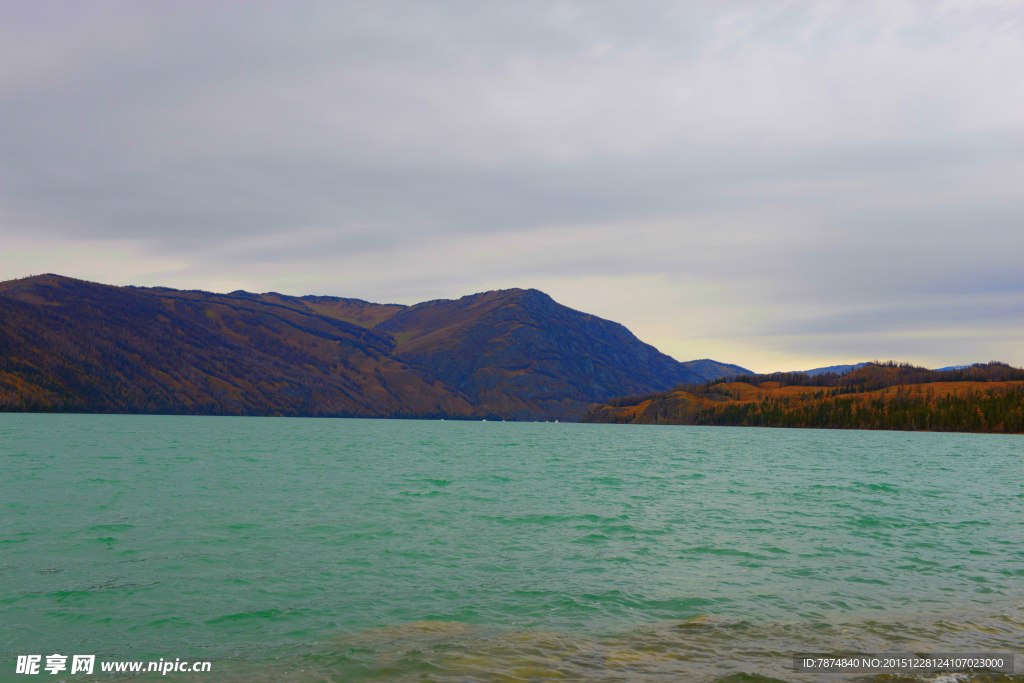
(73,345)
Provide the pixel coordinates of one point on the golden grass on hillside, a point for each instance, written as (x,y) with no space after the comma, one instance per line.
(853,401)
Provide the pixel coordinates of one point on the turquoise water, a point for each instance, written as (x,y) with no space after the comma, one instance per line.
(295,549)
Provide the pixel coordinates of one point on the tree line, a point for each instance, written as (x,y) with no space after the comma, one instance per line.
(914,405)
(994,410)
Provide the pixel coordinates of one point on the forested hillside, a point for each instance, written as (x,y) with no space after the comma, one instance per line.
(982,398)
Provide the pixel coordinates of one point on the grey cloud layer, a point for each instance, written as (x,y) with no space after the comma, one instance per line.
(828,161)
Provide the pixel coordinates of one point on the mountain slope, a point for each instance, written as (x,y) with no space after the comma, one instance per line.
(519,353)
(71,345)
(355,311)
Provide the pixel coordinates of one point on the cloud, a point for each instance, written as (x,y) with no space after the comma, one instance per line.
(823,167)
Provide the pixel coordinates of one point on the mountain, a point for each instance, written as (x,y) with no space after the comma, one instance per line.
(708,369)
(838,369)
(982,398)
(519,353)
(71,345)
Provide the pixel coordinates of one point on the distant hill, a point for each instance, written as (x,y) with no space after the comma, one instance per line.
(981,398)
(71,345)
(838,369)
(709,370)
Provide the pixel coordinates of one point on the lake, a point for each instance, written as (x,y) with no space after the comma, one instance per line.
(404,550)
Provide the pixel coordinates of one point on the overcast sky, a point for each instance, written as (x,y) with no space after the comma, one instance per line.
(781,185)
